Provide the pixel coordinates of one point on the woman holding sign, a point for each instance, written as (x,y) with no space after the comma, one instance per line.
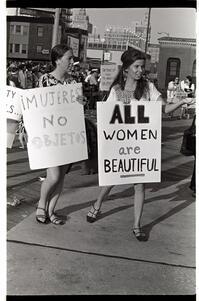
(131,85)
(51,188)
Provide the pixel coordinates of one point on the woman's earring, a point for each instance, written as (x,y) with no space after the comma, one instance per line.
(125,72)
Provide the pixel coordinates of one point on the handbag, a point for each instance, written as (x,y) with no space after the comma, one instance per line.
(188,146)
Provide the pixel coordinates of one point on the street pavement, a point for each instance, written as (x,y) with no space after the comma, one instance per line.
(103,258)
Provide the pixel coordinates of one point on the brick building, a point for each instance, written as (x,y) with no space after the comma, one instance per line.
(29,38)
(177,57)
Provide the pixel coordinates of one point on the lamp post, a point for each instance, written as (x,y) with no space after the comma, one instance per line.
(56,27)
(147,33)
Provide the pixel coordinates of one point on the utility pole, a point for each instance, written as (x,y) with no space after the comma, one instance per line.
(147,33)
(56,26)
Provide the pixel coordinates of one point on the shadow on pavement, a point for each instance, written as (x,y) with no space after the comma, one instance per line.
(173,175)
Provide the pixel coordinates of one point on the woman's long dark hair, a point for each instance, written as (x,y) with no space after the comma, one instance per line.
(57,52)
(128,58)
(190,80)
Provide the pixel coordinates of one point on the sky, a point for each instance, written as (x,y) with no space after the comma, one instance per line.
(177,22)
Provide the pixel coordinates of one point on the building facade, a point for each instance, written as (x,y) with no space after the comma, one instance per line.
(30,38)
(102,51)
(177,58)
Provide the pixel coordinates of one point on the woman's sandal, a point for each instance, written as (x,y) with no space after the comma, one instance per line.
(92,214)
(54,219)
(42,218)
(139,234)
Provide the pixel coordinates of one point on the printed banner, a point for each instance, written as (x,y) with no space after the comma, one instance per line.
(108,73)
(129,142)
(55,125)
(13,108)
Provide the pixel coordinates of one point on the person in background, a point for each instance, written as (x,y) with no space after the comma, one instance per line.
(52,185)
(130,85)
(15,200)
(13,76)
(173,88)
(91,79)
(29,77)
(22,76)
(188,86)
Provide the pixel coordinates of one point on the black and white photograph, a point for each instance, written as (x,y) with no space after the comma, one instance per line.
(100,150)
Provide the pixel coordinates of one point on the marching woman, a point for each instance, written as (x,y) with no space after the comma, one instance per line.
(131,85)
(51,187)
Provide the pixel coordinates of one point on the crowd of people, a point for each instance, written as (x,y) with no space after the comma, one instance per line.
(130,81)
(175,91)
(27,74)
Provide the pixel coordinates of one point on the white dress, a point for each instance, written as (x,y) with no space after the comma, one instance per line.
(116,94)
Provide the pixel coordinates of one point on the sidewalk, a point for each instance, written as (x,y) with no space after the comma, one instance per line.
(104,257)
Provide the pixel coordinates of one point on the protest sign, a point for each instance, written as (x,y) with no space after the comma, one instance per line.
(55,125)
(129,142)
(108,73)
(13,112)
(13,108)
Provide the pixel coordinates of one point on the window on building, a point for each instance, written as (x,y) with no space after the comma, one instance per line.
(12,29)
(18,28)
(25,30)
(17,47)
(11,48)
(24,49)
(173,69)
(39,48)
(40,31)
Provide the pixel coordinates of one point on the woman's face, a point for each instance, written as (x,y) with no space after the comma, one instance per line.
(136,69)
(66,61)
(176,80)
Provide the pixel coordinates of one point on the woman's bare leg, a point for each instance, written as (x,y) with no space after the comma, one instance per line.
(138,203)
(102,196)
(138,209)
(50,187)
(57,192)
(93,212)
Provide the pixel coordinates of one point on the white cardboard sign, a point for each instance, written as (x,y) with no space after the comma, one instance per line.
(108,73)
(55,125)
(13,108)
(13,112)
(129,142)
